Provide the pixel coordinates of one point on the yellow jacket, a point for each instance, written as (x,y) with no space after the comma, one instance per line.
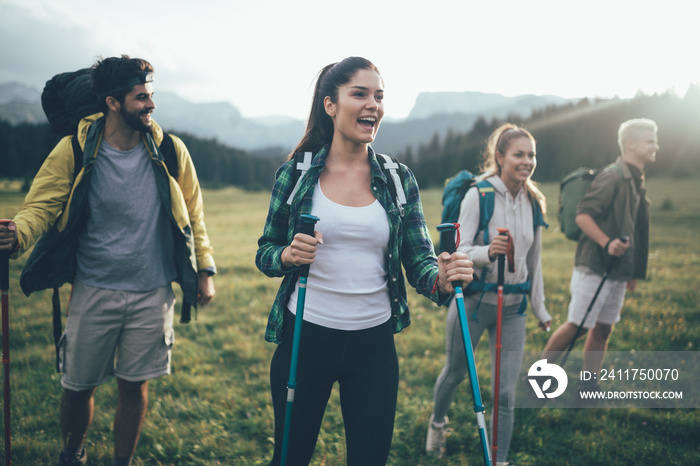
(54,192)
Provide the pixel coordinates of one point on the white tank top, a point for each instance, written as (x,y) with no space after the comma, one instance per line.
(347,287)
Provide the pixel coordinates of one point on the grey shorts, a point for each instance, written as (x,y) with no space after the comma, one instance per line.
(608,305)
(116,333)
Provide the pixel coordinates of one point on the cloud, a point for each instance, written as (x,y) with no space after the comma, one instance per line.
(34,50)
(263,56)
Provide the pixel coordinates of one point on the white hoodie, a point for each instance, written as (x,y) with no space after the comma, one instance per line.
(515,214)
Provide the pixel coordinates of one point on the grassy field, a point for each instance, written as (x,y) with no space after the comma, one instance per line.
(215,408)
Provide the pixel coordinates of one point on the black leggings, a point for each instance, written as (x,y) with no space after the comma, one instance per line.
(364,363)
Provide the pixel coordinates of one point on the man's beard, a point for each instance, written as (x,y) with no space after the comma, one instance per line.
(132,119)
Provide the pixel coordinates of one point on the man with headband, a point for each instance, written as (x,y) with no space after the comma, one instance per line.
(121,231)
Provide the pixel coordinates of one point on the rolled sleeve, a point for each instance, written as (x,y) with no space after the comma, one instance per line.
(418,253)
(275,237)
(596,201)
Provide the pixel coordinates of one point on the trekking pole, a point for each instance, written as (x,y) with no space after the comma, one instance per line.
(4,289)
(307,228)
(499,345)
(613,261)
(448,244)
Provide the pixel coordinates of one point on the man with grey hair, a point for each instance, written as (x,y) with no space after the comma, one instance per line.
(614,207)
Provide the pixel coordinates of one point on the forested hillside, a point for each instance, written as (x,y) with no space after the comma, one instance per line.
(25,146)
(574,135)
(568,136)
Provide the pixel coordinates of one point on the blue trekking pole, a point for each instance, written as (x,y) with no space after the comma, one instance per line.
(307,227)
(447,242)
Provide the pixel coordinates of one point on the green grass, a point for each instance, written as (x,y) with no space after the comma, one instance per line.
(215,408)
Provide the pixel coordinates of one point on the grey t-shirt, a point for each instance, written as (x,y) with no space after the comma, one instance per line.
(128,241)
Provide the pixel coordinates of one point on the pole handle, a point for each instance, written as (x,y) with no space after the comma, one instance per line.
(447,237)
(448,243)
(306,226)
(4,264)
(613,259)
(502,260)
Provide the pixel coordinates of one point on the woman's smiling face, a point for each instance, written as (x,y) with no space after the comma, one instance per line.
(519,162)
(359,108)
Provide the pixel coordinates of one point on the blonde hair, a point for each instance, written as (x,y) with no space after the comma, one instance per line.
(632,129)
(498,142)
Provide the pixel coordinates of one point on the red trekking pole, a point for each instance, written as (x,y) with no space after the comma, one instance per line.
(499,328)
(4,287)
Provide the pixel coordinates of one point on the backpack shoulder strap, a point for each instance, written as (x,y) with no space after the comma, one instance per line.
(487,201)
(77,156)
(391,168)
(167,147)
(57,325)
(537,217)
(56,298)
(302,163)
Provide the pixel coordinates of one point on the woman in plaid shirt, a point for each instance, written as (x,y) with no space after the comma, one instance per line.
(356,293)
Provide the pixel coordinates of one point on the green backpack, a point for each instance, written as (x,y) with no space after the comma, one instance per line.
(571,190)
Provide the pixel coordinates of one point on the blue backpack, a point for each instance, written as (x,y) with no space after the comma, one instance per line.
(452,195)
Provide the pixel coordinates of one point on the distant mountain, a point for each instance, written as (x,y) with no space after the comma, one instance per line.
(434,113)
(442,112)
(220,120)
(479,103)
(223,122)
(20,104)
(394,137)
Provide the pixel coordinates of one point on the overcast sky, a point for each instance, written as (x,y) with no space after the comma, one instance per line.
(263,55)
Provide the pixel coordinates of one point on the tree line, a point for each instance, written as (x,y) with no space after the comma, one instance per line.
(574,135)
(25,147)
(568,136)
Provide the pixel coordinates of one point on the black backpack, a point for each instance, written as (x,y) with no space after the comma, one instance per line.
(66,99)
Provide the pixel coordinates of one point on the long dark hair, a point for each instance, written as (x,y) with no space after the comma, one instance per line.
(319,127)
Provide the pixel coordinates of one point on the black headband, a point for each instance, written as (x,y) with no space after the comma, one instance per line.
(141,78)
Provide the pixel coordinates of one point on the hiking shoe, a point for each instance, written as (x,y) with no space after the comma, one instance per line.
(77,459)
(436,438)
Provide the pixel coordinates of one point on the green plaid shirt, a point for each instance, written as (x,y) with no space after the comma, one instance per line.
(409,240)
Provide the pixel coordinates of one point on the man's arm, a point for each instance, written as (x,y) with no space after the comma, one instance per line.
(192,196)
(47,197)
(612,246)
